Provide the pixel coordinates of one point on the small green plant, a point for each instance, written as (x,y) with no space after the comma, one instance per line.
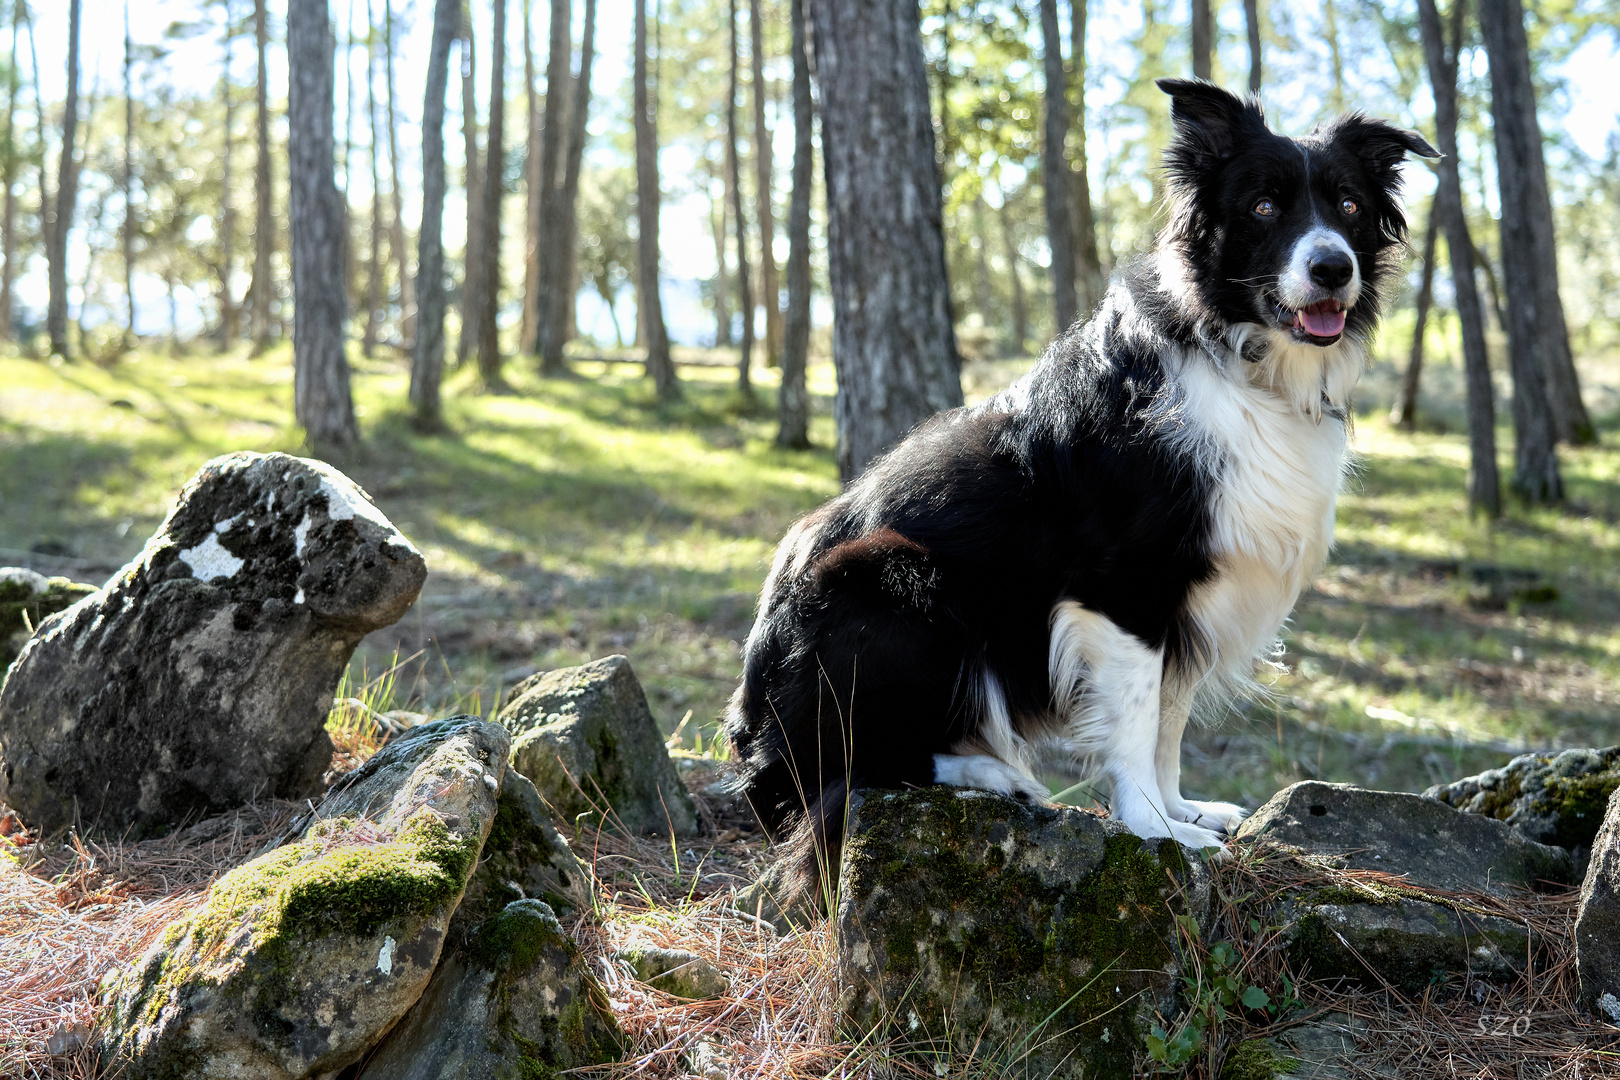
(1213,990)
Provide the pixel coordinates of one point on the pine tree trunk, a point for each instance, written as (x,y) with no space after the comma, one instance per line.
(1202,39)
(745,295)
(1484,487)
(8,170)
(1251,20)
(320,371)
(427,360)
(718,222)
(228,328)
(1020,306)
(553,145)
(402,266)
(60,219)
(770,287)
(1088,266)
(531,189)
(1330,21)
(128,233)
(793,399)
(649,306)
(489,253)
(1529,245)
(982,294)
(374,265)
(264,222)
(893,341)
(472,304)
(1404,414)
(565,247)
(1055,172)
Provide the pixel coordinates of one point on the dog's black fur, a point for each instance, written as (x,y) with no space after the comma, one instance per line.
(891,609)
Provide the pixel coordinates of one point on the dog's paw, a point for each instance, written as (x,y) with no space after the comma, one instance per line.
(1198,837)
(1218,816)
(989,774)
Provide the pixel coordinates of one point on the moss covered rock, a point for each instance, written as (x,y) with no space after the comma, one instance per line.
(301,960)
(676,972)
(26,600)
(1550,798)
(974,925)
(1597,927)
(1403,834)
(516,1004)
(587,739)
(200,677)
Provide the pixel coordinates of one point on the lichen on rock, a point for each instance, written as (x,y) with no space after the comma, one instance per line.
(1597,926)
(1550,798)
(969,920)
(302,959)
(27,598)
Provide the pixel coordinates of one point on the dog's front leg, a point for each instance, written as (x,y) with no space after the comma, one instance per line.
(1175,704)
(1108,682)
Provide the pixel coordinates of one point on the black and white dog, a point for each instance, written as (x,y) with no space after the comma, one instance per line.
(1060,574)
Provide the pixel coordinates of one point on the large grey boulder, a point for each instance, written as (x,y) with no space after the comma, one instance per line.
(303,959)
(1428,842)
(1597,927)
(26,599)
(971,923)
(1550,798)
(517,1003)
(200,677)
(586,737)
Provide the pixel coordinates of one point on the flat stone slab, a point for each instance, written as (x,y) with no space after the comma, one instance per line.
(200,677)
(1422,839)
(587,740)
(304,958)
(1550,798)
(969,921)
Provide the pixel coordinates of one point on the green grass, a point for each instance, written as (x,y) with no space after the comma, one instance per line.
(579,517)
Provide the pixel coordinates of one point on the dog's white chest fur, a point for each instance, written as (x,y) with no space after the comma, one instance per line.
(1278,462)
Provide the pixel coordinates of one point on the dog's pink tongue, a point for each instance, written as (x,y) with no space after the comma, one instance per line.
(1322,320)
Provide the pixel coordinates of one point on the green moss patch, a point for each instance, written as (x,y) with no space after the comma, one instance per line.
(1256,1060)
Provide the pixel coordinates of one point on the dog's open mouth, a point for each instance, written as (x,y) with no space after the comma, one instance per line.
(1321,322)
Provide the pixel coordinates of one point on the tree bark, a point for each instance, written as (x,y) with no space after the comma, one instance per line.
(1202,39)
(321,398)
(650,307)
(1020,306)
(1404,414)
(427,360)
(374,284)
(227,209)
(1251,20)
(1331,21)
(565,246)
(1090,282)
(722,278)
(60,218)
(264,222)
(128,233)
(1055,174)
(1529,245)
(472,304)
(893,340)
(1484,486)
(770,288)
(489,253)
(745,295)
(553,145)
(531,189)
(396,234)
(793,400)
(8,168)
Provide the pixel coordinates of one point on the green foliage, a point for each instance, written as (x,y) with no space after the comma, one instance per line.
(1215,992)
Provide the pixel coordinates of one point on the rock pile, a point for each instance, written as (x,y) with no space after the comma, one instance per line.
(26,599)
(200,677)
(1550,798)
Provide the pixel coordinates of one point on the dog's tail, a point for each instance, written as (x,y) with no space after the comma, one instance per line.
(811,856)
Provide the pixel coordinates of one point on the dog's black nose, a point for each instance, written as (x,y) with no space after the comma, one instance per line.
(1330,267)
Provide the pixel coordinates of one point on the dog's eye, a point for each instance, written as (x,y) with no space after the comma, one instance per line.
(1350,206)
(1265,208)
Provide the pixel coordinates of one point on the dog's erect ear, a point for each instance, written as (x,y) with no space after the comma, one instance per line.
(1206,117)
(1382,145)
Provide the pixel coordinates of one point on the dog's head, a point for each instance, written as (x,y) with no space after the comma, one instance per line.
(1295,235)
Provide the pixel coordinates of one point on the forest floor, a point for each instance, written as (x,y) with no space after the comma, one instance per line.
(576,518)
(579,517)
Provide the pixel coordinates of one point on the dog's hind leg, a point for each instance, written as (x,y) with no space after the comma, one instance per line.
(1175,704)
(1107,681)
